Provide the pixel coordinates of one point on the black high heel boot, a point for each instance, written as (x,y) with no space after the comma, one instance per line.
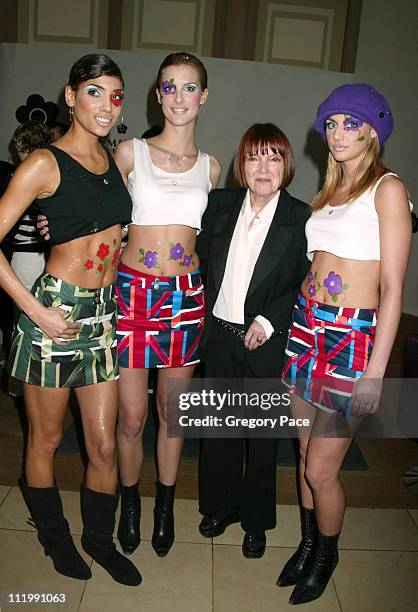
(129,534)
(299,561)
(315,579)
(98,511)
(163,534)
(53,531)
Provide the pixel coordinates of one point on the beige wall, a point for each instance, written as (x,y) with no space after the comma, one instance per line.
(242,93)
(388,37)
(387,56)
(296,32)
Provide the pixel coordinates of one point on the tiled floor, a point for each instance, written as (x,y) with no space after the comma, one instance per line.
(377,570)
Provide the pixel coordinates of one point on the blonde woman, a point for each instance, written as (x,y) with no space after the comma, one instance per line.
(346,317)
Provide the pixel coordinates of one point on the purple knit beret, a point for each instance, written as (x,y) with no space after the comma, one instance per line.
(359,100)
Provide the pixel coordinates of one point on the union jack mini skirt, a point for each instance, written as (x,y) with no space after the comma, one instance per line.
(160,319)
(328,349)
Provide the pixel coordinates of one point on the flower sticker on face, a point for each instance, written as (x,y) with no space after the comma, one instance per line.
(117,97)
(168,87)
(352,124)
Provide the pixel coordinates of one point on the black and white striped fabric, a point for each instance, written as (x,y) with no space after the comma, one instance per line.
(25,236)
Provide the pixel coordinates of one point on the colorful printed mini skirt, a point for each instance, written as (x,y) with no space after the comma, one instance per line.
(88,359)
(160,319)
(328,349)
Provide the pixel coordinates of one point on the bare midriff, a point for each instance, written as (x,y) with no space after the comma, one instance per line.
(90,261)
(161,250)
(342,282)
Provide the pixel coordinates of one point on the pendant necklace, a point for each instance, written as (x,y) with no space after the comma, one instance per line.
(173,158)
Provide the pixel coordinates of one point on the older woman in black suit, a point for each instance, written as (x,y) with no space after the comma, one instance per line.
(253,250)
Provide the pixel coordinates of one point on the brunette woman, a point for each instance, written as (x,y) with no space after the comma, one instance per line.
(253,249)
(346,317)
(160,292)
(65,336)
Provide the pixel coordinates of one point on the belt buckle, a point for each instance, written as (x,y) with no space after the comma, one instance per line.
(97,296)
(156,283)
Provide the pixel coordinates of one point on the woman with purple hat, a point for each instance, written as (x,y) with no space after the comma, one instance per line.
(346,317)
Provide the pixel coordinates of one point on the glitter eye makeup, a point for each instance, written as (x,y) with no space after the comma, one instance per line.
(191,88)
(93,90)
(352,124)
(330,124)
(117,97)
(168,87)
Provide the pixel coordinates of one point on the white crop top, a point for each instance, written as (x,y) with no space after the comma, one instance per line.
(348,230)
(167,198)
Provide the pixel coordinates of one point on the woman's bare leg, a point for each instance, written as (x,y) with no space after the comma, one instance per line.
(46,410)
(301,409)
(168,449)
(98,406)
(132,416)
(323,464)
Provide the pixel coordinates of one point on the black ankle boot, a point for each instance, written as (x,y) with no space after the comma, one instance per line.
(163,534)
(129,534)
(53,532)
(98,511)
(299,561)
(315,579)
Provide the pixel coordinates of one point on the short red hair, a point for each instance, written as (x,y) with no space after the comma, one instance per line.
(259,138)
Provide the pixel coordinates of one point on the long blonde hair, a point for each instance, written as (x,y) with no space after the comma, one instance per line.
(369,170)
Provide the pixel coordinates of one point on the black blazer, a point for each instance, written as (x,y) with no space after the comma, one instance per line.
(278,273)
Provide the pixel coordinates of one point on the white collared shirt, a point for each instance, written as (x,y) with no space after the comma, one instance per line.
(247,241)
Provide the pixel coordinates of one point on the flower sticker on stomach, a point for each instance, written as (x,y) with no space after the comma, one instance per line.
(334,285)
(149,258)
(176,251)
(177,254)
(311,286)
(103,253)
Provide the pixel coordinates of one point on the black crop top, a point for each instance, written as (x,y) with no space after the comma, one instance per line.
(84,203)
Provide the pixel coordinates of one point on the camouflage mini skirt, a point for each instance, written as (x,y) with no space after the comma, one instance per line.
(89,358)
